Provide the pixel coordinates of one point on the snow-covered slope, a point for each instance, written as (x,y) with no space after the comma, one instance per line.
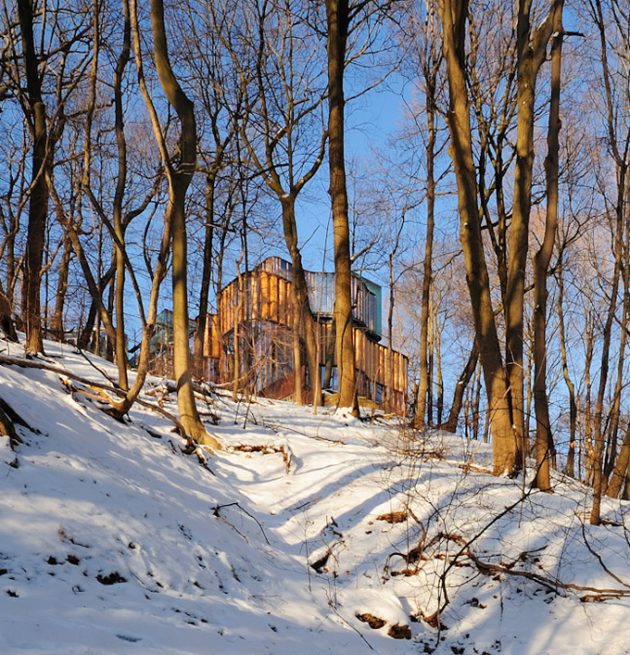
(299,535)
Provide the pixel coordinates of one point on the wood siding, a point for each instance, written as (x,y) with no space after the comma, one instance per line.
(264,314)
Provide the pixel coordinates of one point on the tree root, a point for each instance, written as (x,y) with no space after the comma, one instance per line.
(7,428)
(9,418)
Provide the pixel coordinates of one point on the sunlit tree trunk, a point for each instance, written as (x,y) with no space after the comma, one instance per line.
(453,16)
(569,468)
(206,274)
(544,439)
(337,15)
(179,177)
(619,153)
(531,51)
(304,321)
(427,266)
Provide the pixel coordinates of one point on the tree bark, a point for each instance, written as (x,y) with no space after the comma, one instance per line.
(337,16)
(453,17)
(620,158)
(460,388)
(569,468)
(40,165)
(206,274)
(6,321)
(120,345)
(542,259)
(620,471)
(179,178)
(427,267)
(304,324)
(56,321)
(531,51)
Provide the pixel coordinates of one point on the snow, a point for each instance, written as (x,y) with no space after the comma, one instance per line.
(112,540)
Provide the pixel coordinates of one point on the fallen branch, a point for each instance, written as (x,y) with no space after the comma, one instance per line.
(99,391)
(216,512)
(96,368)
(550,582)
(266,449)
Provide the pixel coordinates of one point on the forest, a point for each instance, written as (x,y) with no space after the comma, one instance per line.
(151,152)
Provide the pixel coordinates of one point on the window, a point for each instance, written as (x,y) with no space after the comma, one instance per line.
(333,385)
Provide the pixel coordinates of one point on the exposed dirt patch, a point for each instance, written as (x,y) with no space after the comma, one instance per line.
(394,517)
(374,622)
(113,578)
(266,449)
(399,632)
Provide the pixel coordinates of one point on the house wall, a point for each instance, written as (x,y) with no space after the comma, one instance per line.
(259,303)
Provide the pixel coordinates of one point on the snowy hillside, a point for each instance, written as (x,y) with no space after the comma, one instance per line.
(299,536)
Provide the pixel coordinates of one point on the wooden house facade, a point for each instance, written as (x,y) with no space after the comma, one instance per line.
(254,327)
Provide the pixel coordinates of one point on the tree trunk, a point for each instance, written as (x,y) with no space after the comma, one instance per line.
(460,388)
(40,164)
(56,322)
(389,371)
(430,355)
(544,437)
(531,51)
(620,471)
(614,419)
(453,17)
(6,322)
(439,381)
(179,179)
(337,15)
(236,334)
(120,345)
(206,275)
(223,375)
(304,325)
(615,410)
(569,468)
(599,433)
(427,267)
(589,337)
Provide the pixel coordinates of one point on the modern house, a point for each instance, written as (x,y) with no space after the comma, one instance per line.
(254,327)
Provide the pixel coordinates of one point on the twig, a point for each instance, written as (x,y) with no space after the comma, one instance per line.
(217,508)
(598,557)
(338,614)
(100,370)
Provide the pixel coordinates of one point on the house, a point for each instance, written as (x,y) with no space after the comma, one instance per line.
(253,327)
(161,345)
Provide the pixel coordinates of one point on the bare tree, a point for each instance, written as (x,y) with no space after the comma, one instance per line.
(178,174)
(544,439)
(338,16)
(35,111)
(618,143)
(431,61)
(453,17)
(285,140)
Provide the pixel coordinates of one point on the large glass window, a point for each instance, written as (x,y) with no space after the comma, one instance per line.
(334,379)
